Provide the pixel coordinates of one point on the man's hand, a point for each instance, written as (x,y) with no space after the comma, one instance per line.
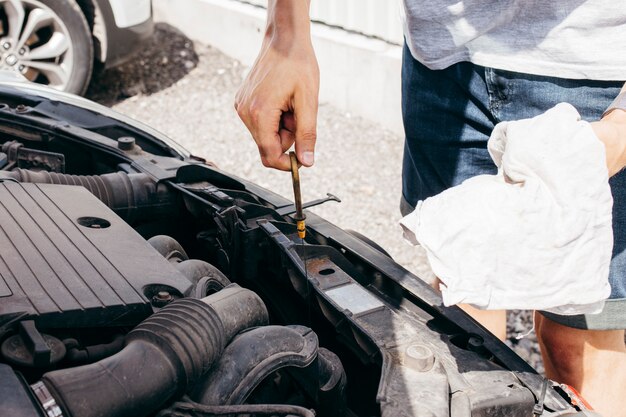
(278,100)
(611,130)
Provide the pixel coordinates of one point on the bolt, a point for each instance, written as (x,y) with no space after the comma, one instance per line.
(6,45)
(21,68)
(22,51)
(20,108)
(11,60)
(164,296)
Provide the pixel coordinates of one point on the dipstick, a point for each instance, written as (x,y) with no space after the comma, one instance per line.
(295,177)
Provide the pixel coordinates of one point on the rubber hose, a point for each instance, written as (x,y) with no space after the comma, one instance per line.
(169,248)
(253,356)
(131,196)
(163,356)
(207,278)
(257,353)
(192,409)
(89,354)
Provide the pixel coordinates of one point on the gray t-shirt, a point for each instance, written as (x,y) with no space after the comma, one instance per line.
(581,39)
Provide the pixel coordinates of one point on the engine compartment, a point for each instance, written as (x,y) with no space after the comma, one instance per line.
(137,280)
(70,265)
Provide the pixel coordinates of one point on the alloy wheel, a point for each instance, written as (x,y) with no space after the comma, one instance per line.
(35,42)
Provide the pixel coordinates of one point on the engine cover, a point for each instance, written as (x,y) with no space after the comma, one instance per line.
(68,261)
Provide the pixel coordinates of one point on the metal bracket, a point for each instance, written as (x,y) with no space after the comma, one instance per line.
(18,156)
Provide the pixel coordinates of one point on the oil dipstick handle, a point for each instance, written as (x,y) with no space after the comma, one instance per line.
(295,177)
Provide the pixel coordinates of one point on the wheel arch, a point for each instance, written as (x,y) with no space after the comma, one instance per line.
(98,26)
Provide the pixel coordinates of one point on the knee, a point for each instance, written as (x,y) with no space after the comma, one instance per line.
(567,350)
(555,336)
(562,347)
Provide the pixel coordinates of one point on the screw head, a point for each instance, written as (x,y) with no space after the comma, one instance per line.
(6,45)
(22,51)
(21,68)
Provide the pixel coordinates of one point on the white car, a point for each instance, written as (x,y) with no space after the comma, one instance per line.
(58,42)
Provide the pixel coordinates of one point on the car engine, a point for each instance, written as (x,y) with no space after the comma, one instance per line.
(68,263)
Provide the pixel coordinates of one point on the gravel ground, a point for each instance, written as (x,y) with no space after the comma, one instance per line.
(186,90)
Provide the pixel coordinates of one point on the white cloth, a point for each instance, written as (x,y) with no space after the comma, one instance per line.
(535,236)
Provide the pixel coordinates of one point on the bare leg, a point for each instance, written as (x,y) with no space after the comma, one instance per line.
(492,320)
(591,361)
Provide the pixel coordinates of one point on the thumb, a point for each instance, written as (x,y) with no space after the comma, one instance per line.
(305,112)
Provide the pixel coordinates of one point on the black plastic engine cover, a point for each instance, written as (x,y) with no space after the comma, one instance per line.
(68,261)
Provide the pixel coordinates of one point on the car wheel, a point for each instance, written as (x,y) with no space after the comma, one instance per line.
(47,41)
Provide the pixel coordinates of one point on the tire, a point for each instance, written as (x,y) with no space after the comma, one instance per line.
(67,69)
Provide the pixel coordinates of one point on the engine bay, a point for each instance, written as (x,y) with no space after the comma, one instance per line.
(138,280)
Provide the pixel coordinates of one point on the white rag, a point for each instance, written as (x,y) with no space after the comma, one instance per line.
(535,236)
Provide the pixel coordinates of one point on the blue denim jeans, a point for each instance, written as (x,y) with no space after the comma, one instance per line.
(448,117)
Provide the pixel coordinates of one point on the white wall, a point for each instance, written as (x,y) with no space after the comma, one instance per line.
(378,18)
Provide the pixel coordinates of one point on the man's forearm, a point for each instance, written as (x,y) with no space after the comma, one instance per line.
(278,100)
(618,115)
(611,130)
(288,19)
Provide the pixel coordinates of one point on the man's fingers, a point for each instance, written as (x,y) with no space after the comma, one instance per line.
(288,121)
(305,113)
(282,163)
(272,155)
(263,123)
(287,139)
(269,141)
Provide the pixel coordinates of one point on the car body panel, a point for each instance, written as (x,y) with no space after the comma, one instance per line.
(131,13)
(118,44)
